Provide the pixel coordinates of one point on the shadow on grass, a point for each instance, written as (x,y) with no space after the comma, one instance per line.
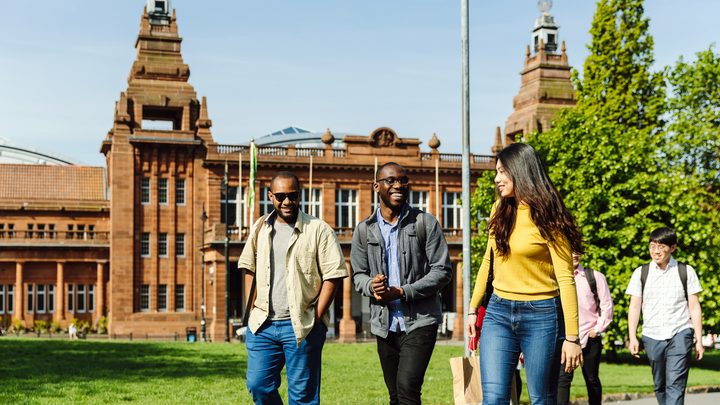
(710,361)
(27,361)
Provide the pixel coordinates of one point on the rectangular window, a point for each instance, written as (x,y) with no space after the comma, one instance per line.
(180,298)
(40,298)
(91,232)
(266,206)
(162,297)
(162,244)
(346,208)
(51,298)
(40,231)
(81,232)
(81,298)
(29,233)
(145,190)
(311,205)
(419,199)
(70,232)
(180,244)
(91,297)
(144,298)
(162,191)
(70,298)
(452,211)
(30,297)
(51,231)
(11,232)
(180,191)
(145,244)
(2,298)
(10,298)
(231,205)
(2,231)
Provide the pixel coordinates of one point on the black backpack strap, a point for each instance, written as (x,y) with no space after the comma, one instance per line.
(682,270)
(590,276)
(251,296)
(420,228)
(643,276)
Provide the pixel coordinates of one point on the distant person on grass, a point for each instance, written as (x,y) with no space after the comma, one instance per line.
(400,260)
(296,263)
(666,292)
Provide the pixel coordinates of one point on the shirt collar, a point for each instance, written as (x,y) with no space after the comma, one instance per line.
(403,212)
(300,222)
(671,263)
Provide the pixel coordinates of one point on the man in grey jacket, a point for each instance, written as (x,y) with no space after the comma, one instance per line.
(400,260)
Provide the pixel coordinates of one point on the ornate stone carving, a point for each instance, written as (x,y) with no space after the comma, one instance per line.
(383,137)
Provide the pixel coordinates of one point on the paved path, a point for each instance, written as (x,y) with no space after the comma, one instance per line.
(712,398)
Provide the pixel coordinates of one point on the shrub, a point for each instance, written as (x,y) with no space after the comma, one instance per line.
(40,327)
(102,326)
(18,327)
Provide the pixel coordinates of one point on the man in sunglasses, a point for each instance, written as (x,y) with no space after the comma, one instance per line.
(296,263)
(400,260)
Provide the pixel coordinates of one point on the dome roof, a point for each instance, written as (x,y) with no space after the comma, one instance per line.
(13,153)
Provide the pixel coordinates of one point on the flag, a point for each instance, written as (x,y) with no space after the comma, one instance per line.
(239,198)
(251,181)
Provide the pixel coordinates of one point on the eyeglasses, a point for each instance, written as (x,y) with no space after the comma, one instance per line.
(292,196)
(659,247)
(395,180)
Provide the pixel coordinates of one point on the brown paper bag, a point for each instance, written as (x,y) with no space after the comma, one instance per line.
(466,380)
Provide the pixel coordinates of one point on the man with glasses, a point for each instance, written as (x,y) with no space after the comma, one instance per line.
(666,292)
(296,264)
(400,260)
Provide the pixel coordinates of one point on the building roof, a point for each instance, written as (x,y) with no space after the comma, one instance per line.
(51,183)
(10,152)
(299,137)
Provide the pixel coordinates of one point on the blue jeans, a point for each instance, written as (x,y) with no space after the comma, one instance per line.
(274,346)
(670,362)
(534,328)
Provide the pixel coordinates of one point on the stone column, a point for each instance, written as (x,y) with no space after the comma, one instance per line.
(459,325)
(100,292)
(347,323)
(19,311)
(60,293)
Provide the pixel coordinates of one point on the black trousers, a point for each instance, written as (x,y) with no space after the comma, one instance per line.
(591,372)
(404,357)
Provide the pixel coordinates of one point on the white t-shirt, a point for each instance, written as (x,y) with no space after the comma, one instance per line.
(665,310)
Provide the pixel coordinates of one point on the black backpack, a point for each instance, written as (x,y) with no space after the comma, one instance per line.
(682,271)
(590,276)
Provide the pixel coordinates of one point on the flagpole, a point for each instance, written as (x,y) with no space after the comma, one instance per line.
(375,203)
(310,208)
(437,188)
(239,197)
(465,40)
(251,181)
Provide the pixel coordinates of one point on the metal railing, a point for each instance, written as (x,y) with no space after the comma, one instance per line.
(49,236)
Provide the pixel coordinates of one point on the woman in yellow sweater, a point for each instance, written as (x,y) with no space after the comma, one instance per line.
(533,308)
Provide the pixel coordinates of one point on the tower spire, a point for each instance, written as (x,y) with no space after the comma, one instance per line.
(546,30)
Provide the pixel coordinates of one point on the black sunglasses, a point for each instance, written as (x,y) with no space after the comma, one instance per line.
(392,180)
(292,196)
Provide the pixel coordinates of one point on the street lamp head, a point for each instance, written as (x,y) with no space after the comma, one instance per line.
(204,216)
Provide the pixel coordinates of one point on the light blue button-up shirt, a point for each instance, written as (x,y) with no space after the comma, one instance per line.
(390,237)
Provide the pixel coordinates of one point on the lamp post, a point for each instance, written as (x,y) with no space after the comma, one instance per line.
(227,259)
(203,337)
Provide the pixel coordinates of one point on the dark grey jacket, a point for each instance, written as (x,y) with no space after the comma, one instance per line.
(424,270)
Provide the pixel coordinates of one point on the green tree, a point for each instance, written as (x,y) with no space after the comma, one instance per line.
(692,149)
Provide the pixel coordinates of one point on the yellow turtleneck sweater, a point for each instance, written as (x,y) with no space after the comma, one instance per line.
(534,270)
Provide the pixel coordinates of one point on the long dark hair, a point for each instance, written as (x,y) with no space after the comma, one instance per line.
(532,186)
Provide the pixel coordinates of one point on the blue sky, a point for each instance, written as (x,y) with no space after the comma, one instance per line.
(347,65)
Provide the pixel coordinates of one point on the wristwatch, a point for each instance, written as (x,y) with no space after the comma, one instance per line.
(576,341)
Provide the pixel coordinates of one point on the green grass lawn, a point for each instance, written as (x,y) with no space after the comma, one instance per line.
(53,371)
